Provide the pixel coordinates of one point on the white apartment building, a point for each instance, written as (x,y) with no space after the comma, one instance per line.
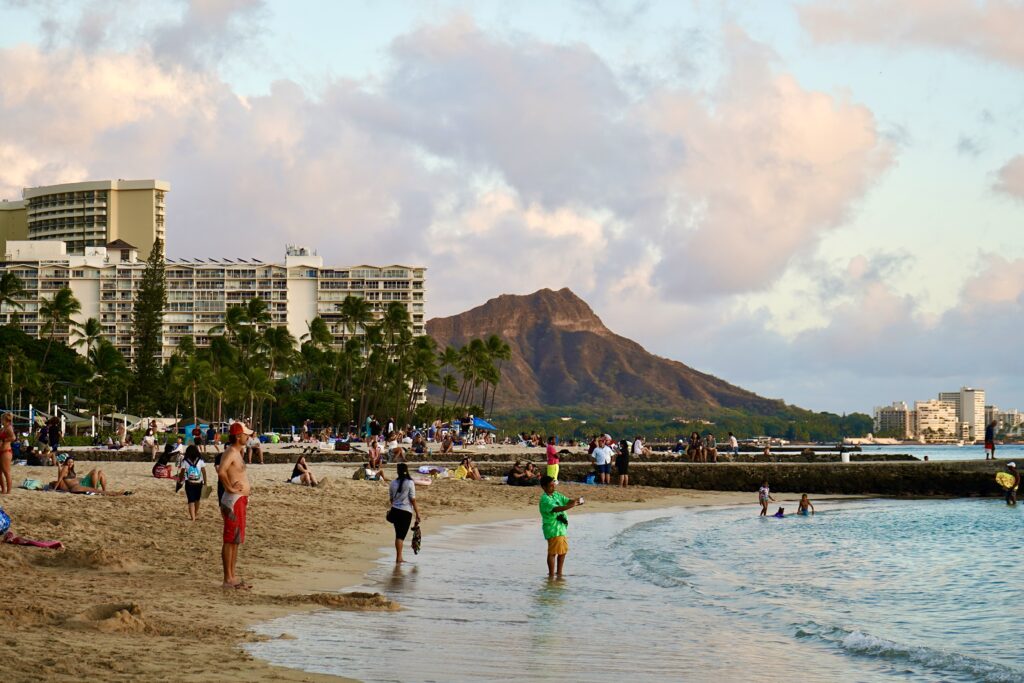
(935,421)
(970,409)
(199,291)
(897,419)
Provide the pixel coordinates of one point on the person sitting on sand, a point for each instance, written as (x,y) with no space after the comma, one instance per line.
(468,470)
(94,482)
(162,469)
(764,495)
(149,444)
(517,475)
(301,474)
(805,507)
(376,460)
(447,445)
(780,513)
(254,447)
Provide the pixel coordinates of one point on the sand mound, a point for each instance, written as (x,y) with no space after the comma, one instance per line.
(353,602)
(112,618)
(99,558)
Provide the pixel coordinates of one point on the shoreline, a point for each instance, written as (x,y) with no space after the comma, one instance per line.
(137,579)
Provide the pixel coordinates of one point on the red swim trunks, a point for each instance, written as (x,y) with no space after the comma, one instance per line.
(234,517)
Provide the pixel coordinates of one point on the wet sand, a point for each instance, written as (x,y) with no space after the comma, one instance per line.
(136,593)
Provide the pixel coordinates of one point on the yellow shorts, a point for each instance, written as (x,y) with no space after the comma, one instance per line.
(559,545)
(553,471)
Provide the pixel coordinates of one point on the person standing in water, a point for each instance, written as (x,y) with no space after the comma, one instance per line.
(764,496)
(1011,493)
(402,494)
(806,507)
(554,523)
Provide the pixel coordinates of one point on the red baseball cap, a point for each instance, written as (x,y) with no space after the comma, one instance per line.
(239,428)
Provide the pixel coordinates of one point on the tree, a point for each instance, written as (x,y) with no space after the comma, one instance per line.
(148,319)
(500,351)
(57,313)
(447,360)
(11,288)
(91,333)
(110,373)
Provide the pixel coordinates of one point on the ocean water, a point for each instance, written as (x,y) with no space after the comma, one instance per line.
(879,590)
(1014,451)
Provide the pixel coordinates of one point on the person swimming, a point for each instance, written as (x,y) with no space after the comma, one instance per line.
(806,507)
(781,513)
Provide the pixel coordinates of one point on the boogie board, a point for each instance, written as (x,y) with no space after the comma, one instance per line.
(1005,479)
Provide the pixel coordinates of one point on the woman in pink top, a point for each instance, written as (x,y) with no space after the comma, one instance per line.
(552,459)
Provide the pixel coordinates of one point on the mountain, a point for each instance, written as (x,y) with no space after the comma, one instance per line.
(563,355)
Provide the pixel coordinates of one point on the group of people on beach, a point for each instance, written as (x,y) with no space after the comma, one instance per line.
(764,496)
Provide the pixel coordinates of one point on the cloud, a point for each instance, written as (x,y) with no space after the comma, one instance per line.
(1011,178)
(989,29)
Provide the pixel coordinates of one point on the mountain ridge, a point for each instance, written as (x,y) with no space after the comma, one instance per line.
(564,355)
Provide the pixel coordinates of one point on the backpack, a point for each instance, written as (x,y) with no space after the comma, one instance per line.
(193,474)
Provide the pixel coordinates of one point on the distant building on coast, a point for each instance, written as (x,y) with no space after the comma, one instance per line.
(105,278)
(896,420)
(970,410)
(935,421)
(88,214)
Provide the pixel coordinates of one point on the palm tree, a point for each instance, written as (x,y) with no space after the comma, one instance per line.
(110,372)
(497,350)
(91,333)
(279,345)
(11,288)
(57,312)
(422,370)
(318,334)
(447,360)
(256,385)
(356,313)
(190,375)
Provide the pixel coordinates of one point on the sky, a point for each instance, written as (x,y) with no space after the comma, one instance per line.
(821,201)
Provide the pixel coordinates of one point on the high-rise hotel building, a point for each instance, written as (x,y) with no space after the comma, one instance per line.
(88,214)
(199,291)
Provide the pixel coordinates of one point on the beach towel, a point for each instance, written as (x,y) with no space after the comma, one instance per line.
(5,521)
(9,537)
(32,484)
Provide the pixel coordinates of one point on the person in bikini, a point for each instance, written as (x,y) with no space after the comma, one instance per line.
(94,482)
(234,499)
(7,438)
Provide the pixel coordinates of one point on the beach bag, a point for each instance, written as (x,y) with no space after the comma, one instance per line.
(5,522)
(207,490)
(193,474)
(32,484)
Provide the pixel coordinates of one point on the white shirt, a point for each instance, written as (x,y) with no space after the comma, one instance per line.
(733,443)
(638,447)
(402,499)
(603,455)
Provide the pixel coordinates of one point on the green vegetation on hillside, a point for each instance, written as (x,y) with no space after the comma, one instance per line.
(790,423)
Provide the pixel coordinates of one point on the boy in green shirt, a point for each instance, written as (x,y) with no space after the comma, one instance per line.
(553,506)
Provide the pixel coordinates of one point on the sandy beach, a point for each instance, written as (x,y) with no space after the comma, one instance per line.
(135,594)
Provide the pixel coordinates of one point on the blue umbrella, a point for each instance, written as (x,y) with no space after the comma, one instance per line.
(481,423)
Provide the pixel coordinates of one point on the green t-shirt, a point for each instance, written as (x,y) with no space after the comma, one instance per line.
(552,527)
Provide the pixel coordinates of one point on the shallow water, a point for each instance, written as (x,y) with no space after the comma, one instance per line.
(864,590)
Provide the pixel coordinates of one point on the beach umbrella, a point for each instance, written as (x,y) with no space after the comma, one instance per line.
(481,423)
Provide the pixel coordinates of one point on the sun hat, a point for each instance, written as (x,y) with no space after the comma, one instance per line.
(1011,464)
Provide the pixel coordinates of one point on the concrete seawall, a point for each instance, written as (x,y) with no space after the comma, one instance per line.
(881,478)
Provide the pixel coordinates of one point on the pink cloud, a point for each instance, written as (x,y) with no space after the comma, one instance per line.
(990,29)
(1011,177)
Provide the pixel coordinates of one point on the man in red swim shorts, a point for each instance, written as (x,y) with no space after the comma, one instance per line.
(233,501)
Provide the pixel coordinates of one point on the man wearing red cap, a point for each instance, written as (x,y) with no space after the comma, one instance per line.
(234,498)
